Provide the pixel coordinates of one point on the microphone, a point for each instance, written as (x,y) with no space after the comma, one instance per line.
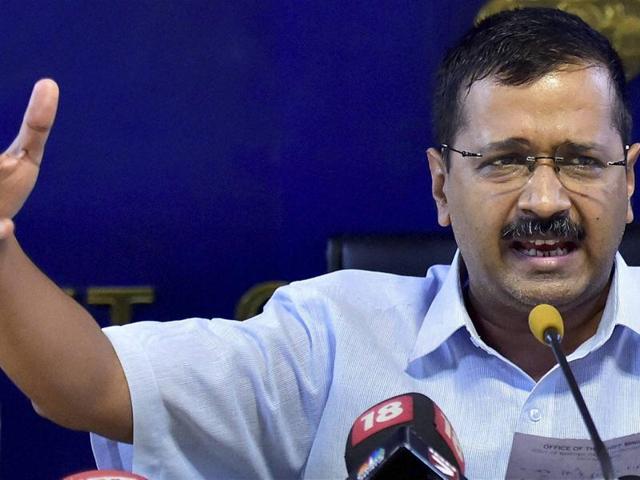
(406,436)
(545,322)
(104,475)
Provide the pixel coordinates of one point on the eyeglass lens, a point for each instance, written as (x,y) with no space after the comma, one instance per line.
(576,170)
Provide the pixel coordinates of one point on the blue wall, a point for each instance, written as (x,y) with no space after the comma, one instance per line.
(203,147)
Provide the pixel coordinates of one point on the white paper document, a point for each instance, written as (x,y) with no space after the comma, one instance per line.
(543,458)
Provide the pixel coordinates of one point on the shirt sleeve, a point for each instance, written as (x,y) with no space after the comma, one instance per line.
(225,399)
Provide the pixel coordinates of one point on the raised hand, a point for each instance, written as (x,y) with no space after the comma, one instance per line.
(20,163)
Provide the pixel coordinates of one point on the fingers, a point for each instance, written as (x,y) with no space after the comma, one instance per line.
(37,122)
(6,228)
(9,164)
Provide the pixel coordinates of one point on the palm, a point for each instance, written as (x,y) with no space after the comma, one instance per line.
(20,164)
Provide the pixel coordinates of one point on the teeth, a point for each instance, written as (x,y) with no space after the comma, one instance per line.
(558,252)
(537,243)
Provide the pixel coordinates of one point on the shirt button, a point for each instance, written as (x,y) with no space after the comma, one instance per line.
(535,415)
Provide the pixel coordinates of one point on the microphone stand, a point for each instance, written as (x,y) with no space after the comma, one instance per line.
(552,338)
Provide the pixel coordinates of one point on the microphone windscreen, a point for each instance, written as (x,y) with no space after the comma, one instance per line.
(380,424)
(543,317)
(104,475)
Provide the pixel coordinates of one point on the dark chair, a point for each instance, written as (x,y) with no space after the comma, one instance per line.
(412,254)
(404,254)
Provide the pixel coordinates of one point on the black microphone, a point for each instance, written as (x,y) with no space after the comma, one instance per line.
(406,436)
(545,322)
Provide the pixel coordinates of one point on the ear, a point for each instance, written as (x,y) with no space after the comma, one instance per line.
(632,156)
(438,185)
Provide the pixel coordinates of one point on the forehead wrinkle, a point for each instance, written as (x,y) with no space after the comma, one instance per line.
(547,100)
(521,142)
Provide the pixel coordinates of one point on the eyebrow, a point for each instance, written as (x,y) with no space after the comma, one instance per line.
(520,143)
(581,147)
(507,143)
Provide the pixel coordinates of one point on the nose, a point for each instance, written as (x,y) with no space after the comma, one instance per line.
(544,195)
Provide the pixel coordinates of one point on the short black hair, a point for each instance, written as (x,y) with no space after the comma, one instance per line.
(518,47)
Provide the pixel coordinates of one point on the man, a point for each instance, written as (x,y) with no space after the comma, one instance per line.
(535,178)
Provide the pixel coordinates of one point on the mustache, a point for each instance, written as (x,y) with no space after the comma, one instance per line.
(561,227)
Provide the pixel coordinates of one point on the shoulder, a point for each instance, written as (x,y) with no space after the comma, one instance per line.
(375,290)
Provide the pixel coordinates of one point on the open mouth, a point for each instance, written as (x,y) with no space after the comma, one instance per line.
(544,247)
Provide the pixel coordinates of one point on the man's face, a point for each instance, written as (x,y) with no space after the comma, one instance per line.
(574,106)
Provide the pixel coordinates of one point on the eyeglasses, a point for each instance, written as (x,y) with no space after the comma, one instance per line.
(575,169)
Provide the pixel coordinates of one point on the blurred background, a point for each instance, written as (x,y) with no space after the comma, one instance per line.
(203,147)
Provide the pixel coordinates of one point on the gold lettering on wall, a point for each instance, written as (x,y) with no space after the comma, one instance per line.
(70,291)
(255,298)
(120,300)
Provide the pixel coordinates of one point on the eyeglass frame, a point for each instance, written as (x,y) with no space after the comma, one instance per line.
(533,159)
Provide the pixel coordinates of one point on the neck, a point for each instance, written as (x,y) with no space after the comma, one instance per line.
(505,329)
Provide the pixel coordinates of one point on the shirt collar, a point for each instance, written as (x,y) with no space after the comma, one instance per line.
(447,313)
(624,300)
(622,308)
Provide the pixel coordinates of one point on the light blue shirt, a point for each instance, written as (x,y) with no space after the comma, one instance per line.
(275,396)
